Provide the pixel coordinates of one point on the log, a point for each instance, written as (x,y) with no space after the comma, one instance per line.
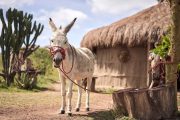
(146,104)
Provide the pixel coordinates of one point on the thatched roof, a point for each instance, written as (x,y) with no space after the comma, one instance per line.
(147,25)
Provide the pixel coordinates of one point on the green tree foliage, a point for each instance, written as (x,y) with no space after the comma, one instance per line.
(163,48)
(42,60)
(18,30)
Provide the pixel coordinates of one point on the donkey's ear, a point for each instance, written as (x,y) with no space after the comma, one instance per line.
(68,27)
(52,25)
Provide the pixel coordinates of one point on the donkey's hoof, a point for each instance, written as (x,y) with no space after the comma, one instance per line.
(69,114)
(87,109)
(62,112)
(77,109)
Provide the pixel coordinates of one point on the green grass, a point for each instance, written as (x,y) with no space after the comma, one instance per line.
(13,88)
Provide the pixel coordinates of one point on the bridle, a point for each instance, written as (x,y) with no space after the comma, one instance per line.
(56,49)
(53,51)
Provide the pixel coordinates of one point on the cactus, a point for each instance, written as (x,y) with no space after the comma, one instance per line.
(17,30)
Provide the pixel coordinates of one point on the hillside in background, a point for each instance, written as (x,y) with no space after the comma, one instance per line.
(41,60)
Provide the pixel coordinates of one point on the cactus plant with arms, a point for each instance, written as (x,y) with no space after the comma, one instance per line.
(18,30)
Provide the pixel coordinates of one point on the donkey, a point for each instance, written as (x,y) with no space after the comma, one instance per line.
(73,63)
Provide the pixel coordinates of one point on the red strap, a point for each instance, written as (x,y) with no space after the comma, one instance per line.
(59,49)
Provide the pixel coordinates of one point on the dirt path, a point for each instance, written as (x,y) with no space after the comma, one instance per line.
(45,106)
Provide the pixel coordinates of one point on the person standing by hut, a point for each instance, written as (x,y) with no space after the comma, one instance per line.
(157,69)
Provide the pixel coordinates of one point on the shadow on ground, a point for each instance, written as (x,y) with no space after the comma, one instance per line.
(97,115)
(102,115)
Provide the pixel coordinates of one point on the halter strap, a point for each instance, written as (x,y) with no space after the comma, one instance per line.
(62,51)
(59,49)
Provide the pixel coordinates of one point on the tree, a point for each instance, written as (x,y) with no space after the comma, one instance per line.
(171,69)
(18,31)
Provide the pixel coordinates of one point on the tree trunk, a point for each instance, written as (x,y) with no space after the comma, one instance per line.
(146,104)
(10,78)
(171,69)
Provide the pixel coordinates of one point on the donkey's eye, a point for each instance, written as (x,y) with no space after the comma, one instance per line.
(65,42)
(52,41)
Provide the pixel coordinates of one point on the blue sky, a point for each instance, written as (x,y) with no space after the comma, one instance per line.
(90,14)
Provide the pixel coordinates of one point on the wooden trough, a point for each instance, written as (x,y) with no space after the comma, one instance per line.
(146,104)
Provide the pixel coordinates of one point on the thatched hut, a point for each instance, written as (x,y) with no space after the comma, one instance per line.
(121,48)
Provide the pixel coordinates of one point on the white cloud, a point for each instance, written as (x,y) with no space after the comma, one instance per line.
(119,6)
(15,3)
(61,16)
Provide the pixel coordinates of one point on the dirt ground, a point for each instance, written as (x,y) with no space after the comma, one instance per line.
(45,106)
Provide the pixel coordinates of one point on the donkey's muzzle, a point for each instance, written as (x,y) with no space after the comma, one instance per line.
(57,61)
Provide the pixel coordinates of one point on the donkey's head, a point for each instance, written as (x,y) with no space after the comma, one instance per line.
(59,42)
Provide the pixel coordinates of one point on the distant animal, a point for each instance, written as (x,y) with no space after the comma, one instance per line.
(72,63)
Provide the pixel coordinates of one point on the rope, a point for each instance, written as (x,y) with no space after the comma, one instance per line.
(73,81)
(72,61)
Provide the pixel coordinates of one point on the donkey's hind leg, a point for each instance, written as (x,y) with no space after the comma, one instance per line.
(78,105)
(89,80)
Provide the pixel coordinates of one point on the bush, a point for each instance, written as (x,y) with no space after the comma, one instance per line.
(41,60)
(27,81)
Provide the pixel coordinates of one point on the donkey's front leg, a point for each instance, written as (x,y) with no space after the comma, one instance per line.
(89,79)
(69,95)
(78,105)
(63,94)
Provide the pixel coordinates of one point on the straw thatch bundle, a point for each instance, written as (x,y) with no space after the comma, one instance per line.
(147,25)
